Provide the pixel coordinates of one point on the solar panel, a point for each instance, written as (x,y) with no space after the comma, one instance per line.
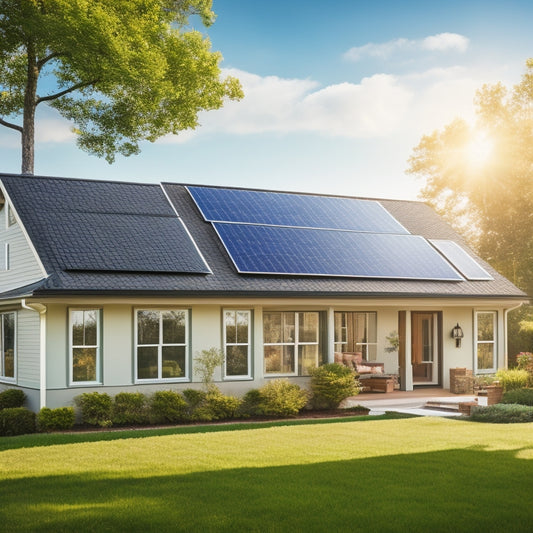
(294,210)
(317,252)
(461,260)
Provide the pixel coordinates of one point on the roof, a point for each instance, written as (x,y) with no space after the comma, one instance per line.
(105,237)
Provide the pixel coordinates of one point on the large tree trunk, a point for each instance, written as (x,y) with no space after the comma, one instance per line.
(28,124)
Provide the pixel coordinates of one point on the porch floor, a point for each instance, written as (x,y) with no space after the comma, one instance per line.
(411,401)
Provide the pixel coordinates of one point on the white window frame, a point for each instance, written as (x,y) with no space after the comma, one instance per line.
(3,378)
(249,375)
(98,346)
(186,344)
(493,342)
(344,329)
(296,343)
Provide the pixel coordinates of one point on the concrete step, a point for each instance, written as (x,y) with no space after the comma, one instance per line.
(442,405)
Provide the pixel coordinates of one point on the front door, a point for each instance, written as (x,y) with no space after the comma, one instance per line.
(424,348)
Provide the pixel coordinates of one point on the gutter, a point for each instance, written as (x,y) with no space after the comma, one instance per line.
(41,309)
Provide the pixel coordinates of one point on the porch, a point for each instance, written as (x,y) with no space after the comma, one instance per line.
(427,401)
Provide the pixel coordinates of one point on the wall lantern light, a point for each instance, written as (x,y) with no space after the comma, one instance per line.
(457,334)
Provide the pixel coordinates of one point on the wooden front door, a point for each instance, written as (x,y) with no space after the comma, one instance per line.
(424,348)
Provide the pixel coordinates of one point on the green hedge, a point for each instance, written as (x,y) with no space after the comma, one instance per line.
(16,421)
(512,379)
(129,408)
(58,419)
(518,396)
(96,408)
(167,406)
(502,414)
(330,384)
(11,398)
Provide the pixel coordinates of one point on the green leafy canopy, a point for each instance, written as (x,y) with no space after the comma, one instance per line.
(123,71)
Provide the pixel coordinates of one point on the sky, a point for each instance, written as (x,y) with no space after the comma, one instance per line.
(337,95)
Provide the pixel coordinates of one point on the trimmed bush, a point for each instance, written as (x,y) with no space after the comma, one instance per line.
(251,404)
(96,408)
(55,419)
(518,396)
(11,398)
(502,414)
(330,384)
(168,406)
(220,406)
(129,408)
(512,379)
(16,421)
(282,398)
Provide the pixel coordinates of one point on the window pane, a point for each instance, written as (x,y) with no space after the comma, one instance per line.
(77,328)
(231,329)
(173,361)
(340,328)
(485,326)
(485,356)
(371,321)
(174,327)
(242,327)
(308,359)
(272,327)
(90,320)
(308,327)
(237,361)
(83,364)
(279,359)
(148,327)
(288,327)
(9,345)
(147,362)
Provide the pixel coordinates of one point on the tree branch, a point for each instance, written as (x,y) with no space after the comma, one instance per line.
(10,125)
(66,91)
(44,60)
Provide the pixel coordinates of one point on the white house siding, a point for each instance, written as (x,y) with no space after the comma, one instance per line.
(24,268)
(28,348)
(206,332)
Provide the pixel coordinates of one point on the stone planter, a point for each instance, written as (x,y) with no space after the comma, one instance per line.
(493,393)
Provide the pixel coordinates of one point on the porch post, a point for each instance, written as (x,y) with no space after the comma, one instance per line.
(331,335)
(406,367)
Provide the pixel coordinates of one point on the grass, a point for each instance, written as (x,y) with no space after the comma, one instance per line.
(417,474)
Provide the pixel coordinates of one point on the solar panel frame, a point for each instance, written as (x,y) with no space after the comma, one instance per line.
(274,250)
(244,206)
(461,260)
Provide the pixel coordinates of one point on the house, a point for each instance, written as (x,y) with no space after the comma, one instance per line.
(115,286)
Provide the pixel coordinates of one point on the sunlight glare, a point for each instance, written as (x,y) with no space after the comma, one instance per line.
(479,149)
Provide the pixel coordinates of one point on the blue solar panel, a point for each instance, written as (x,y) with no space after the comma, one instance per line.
(315,252)
(461,260)
(294,210)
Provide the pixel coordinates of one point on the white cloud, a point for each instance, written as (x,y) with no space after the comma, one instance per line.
(53,130)
(441,42)
(371,108)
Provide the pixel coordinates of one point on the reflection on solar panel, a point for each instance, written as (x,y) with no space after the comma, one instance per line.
(282,250)
(462,261)
(295,210)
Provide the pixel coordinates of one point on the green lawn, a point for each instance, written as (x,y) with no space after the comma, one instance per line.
(417,474)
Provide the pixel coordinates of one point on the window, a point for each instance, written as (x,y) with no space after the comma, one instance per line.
(7,348)
(356,332)
(486,341)
(11,220)
(237,344)
(84,346)
(291,342)
(161,345)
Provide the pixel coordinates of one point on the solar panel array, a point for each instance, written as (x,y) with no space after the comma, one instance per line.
(294,210)
(462,261)
(299,234)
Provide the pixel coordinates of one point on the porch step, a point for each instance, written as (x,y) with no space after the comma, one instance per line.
(442,405)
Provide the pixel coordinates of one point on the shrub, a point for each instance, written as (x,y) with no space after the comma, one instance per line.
(11,398)
(55,419)
(220,406)
(129,408)
(205,364)
(518,396)
(16,421)
(168,406)
(502,414)
(513,378)
(282,398)
(330,384)
(96,408)
(251,404)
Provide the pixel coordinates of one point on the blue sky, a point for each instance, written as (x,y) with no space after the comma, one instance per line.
(337,95)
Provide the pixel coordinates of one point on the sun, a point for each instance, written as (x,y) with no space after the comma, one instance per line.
(479,149)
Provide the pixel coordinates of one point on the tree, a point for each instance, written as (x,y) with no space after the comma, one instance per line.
(481,177)
(123,71)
